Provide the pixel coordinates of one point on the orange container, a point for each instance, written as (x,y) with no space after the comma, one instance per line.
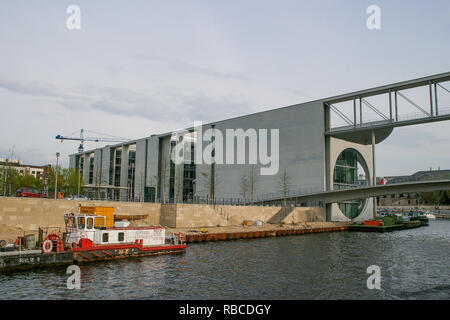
(107,212)
(372,223)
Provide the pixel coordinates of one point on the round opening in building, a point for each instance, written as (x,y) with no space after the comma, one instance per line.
(350,172)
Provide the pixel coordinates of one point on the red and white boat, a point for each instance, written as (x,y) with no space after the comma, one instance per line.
(89,238)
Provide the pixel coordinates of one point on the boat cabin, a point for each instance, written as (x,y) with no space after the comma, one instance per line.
(93,227)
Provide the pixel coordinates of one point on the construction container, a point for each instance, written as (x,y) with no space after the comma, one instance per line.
(373,223)
(107,212)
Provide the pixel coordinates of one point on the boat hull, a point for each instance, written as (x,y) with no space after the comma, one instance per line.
(101,253)
(30,260)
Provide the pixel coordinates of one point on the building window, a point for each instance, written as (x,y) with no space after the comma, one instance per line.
(117,169)
(189,175)
(91,170)
(131,172)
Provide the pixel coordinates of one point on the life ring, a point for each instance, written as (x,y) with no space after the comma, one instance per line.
(47,246)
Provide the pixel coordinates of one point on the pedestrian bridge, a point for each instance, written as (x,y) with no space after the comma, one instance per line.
(336,196)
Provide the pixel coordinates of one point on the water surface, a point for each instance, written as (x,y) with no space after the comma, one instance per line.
(415,264)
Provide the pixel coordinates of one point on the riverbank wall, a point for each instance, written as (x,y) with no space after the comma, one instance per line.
(27,214)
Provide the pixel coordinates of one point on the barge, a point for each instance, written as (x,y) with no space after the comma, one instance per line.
(378,224)
(90,235)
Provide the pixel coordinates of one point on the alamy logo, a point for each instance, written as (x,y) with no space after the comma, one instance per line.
(374,280)
(74,20)
(74,281)
(210,148)
(374,20)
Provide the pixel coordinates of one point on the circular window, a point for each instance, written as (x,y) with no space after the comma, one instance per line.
(351,171)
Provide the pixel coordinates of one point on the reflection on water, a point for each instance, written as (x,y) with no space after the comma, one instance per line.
(414,265)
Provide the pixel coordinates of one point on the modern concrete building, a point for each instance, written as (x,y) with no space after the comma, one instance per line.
(296,142)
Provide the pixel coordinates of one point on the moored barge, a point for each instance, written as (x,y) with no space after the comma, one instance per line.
(90,235)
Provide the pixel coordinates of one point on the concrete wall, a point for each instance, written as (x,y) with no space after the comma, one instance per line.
(139,175)
(106,158)
(86,157)
(168,215)
(301,151)
(190,216)
(198,215)
(29,214)
(305,214)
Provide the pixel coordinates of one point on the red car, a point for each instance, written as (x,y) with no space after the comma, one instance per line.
(30,193)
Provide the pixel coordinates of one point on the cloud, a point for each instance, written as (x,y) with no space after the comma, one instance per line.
(165,104)
(33,88)
(186,67)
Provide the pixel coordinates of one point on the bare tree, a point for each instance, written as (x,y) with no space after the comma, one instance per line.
(244,185)
(252,181)
(285,184)
(212,180)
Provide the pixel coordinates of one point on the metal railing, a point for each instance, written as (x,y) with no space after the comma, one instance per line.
(403,117)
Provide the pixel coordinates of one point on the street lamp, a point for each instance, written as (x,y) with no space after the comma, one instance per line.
(56,175)
(194,184)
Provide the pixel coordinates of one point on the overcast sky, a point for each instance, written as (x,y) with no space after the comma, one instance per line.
(137,68)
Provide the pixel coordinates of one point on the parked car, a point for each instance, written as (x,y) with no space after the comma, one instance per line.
(77,197)
(29,193)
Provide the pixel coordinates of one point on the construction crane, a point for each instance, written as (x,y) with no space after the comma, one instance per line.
(82,138)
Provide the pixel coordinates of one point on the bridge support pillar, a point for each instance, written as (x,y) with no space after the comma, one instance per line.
(374,174)
(328,211)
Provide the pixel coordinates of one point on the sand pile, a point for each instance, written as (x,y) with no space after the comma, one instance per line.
(10,234)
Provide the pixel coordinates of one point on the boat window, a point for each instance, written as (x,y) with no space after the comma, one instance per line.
(81,222)
(70,221)
(90,223)
(121,236)
(105,237)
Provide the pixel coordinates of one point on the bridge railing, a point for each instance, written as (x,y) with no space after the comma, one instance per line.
(403,117)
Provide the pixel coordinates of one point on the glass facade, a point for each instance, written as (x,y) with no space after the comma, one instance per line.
(346,177)
(172,174)
(185,187)
(131,172)
(117,169)
(189,173)
(91,170)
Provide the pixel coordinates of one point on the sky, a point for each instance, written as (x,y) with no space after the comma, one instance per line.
(137,68)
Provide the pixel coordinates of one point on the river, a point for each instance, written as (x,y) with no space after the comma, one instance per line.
(414,264)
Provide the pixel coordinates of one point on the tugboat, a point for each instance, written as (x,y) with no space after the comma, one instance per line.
(92,235)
